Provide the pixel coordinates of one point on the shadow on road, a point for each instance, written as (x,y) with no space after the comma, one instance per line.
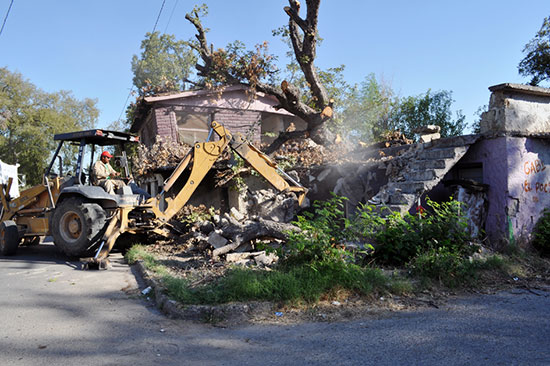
(44,253)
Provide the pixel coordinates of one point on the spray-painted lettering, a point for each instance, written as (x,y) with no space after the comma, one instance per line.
(533,167)
(526,186)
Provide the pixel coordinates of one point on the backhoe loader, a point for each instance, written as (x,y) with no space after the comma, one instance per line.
(83,219)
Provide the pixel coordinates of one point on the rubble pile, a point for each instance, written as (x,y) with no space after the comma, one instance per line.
(306,153)
(264,215)
(235,237)
(162,155)
(396,137)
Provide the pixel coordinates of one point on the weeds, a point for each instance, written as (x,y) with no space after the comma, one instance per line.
(316,263)
(321,236)
(294,284)
(399,238)
(541,235)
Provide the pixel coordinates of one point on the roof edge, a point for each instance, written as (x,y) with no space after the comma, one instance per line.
(520,89)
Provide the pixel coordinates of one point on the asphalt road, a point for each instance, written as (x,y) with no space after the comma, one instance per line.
(53,313)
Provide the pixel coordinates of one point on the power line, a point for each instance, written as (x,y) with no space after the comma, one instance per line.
(132,88)
(158,17)
(6,18)
(172,13)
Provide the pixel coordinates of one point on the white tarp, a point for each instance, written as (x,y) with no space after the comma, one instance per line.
(7,171)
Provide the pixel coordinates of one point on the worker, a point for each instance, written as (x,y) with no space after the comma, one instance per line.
(105,176)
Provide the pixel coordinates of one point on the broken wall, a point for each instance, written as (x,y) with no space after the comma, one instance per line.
(517,108)
(528,183)
(514,155)
(489,153)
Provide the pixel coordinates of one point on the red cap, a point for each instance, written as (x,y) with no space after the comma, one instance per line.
(106,153)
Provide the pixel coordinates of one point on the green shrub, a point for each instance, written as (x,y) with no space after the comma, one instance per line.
(398,238)
(321,236)
(541,235)
(449,268)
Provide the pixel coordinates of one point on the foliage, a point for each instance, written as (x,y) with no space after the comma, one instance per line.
(237,64)
(296,284)
(427,109)
(541,234)
(448,267)
(370,110)
(192,215)
(453,270)
(29,117)
(233,64)
(536,63)
(398,238)
(164,65)
(366,109)
(321,235)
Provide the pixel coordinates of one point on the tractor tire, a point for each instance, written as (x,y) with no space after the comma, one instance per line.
(77,226)
(9,238)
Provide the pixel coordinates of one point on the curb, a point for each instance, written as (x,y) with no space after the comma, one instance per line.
(232,312)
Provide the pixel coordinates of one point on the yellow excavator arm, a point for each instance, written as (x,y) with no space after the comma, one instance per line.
(203,156)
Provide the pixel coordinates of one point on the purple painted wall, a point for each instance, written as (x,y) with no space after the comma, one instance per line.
(528,183)
(519,184)
(491,154)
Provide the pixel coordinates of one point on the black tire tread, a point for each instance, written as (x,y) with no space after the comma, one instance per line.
(93,218)
(9,238)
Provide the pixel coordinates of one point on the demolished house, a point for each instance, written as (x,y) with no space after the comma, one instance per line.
(185,117)
(499,173)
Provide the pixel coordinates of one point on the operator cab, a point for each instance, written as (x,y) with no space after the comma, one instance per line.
(87,141)
(90,144)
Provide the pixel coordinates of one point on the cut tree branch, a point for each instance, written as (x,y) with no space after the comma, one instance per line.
(303,36)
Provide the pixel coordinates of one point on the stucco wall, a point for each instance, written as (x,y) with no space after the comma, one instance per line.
(519,184)
(491,154)
(517,108)
(528,183)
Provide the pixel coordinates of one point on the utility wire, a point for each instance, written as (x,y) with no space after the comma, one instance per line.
(158,17)
(172,13)
(6,18)
(132,88)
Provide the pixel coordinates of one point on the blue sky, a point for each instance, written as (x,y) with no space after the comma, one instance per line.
(462,46)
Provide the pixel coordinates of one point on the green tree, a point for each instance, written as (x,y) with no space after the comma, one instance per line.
(29,117)
(366,109)
(427,109)
(165,64)
(536,63)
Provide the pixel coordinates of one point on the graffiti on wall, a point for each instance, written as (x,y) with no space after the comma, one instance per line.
(533,182)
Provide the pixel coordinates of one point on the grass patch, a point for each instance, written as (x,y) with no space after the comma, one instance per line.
(139,253)
(292,284)
(331,280)
(453,270)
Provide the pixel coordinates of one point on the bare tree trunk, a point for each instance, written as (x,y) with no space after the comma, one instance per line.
(243,233)
(303,36)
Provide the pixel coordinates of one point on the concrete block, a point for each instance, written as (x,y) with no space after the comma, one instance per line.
(216,240)
(445,153)
(428,164)
(420,175)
